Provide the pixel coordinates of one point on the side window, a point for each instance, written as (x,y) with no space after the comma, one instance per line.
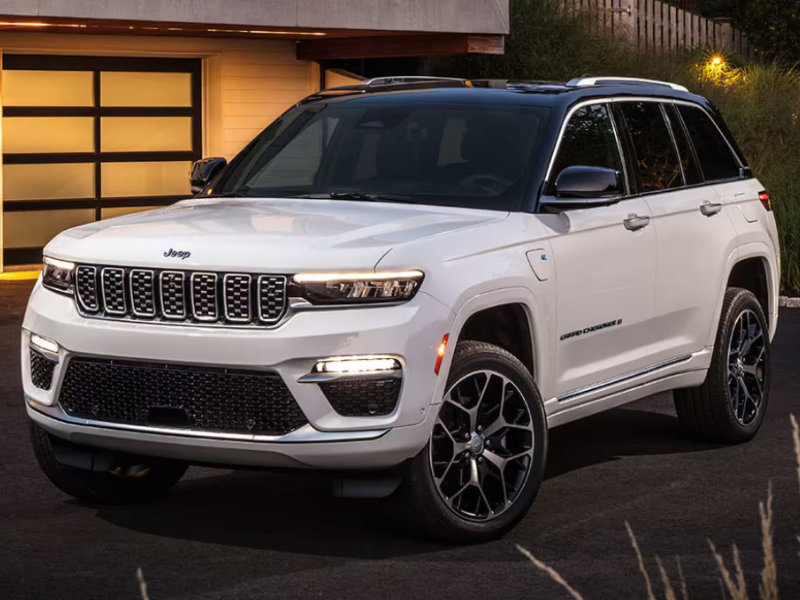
(588,141)
(716,158)
(690,170)
(656,157)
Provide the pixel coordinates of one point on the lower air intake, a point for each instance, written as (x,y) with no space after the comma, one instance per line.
(199,398)
(362,397)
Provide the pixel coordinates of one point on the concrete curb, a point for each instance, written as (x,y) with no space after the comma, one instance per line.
(786,302)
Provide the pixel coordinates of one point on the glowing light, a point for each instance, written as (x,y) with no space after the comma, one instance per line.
(44,344)
(441,350)
(357,365)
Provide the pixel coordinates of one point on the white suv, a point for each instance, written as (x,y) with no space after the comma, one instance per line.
(406,283)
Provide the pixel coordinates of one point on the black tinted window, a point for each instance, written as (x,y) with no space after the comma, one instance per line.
(690,171)
(470,155)
(588,141)
(656,158)
(716,158)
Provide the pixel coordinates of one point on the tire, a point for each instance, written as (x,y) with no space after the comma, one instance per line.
(131,482)
(428,500)
(729,406)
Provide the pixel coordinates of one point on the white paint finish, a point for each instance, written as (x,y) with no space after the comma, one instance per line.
(692,248)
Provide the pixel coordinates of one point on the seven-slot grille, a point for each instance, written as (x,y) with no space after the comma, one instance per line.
(187,297)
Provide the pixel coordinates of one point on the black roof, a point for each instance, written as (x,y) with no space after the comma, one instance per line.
(556,95)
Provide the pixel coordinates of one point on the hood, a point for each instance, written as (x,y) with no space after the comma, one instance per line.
(261,235)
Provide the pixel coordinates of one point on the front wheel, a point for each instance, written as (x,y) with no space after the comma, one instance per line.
(485,460)
(731,403)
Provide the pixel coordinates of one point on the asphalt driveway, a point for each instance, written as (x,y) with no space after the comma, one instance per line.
(225,534)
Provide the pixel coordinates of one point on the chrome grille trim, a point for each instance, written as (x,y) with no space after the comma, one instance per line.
(212,280)
(182,297)
(231,286)
(139,294)
(178,300)
(112,288)
(86,275)
(279,283)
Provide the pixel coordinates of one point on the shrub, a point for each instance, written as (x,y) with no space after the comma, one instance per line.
(760,101)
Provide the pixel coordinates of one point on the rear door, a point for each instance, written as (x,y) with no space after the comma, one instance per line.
(693,234)
(604,260)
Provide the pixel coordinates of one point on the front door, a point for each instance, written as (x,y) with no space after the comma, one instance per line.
(605,269)
(86,138)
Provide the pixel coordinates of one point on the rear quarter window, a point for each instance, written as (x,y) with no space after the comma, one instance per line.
(715,155)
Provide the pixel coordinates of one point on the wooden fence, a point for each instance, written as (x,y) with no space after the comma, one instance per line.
(662,27)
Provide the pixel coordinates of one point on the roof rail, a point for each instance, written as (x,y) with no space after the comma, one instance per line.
(589,81)
(412,80)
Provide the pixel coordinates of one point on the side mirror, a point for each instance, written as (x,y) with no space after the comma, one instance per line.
(580,186)
(203,171)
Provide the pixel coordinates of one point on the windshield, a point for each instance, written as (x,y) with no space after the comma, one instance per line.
(469,155)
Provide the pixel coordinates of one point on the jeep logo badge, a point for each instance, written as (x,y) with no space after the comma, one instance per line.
(182,254)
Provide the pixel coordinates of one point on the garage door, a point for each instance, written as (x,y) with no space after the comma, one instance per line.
(87,138)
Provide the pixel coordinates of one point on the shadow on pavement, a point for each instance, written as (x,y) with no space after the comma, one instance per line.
(295,512)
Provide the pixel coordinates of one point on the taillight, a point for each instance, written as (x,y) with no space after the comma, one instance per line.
(764,197)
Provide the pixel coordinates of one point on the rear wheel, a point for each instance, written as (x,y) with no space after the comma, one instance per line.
(133,479)
(731,403)
(483,465)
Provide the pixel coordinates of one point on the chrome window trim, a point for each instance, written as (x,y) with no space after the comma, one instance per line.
(96,295)
(616,99)
(130,288)
(161,294)
(216,297)
(124,310)
(285,280)
(249,298)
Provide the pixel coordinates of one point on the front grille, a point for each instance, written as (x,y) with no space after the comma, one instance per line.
(41,370)
(362,397)
(158,394)
(191,297)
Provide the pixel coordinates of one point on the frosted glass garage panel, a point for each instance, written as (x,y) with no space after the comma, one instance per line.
(34,228)
(48,88)
(48,181)
(145,134)
(145,89)
(48,134)
(125,179)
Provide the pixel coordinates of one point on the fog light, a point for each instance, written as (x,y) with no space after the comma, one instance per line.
(357,365)
(44,344)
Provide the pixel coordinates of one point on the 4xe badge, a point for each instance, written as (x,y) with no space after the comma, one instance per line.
(182,254)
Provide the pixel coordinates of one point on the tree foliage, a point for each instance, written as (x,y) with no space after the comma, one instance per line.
(773,26)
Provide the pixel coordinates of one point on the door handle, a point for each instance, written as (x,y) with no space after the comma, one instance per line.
(635,222)
(709,209)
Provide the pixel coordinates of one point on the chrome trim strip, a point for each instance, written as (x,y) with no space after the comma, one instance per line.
(173,317)
(135,312)
(249,316)
(325,377)
(124,310)
(216,296)
(627,377)
(305,434)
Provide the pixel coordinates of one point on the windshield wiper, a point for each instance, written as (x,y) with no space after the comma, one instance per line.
(369,197)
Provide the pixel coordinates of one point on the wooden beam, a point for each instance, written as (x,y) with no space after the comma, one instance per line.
(400,45)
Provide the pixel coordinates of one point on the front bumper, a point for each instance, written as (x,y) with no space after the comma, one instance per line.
(410,331)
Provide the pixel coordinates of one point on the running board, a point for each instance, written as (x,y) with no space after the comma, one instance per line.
(627,377)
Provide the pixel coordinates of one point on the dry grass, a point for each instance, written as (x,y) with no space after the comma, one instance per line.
(142,584)
(733,583)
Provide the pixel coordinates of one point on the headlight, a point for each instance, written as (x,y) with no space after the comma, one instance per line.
(351,288)
(58,275)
